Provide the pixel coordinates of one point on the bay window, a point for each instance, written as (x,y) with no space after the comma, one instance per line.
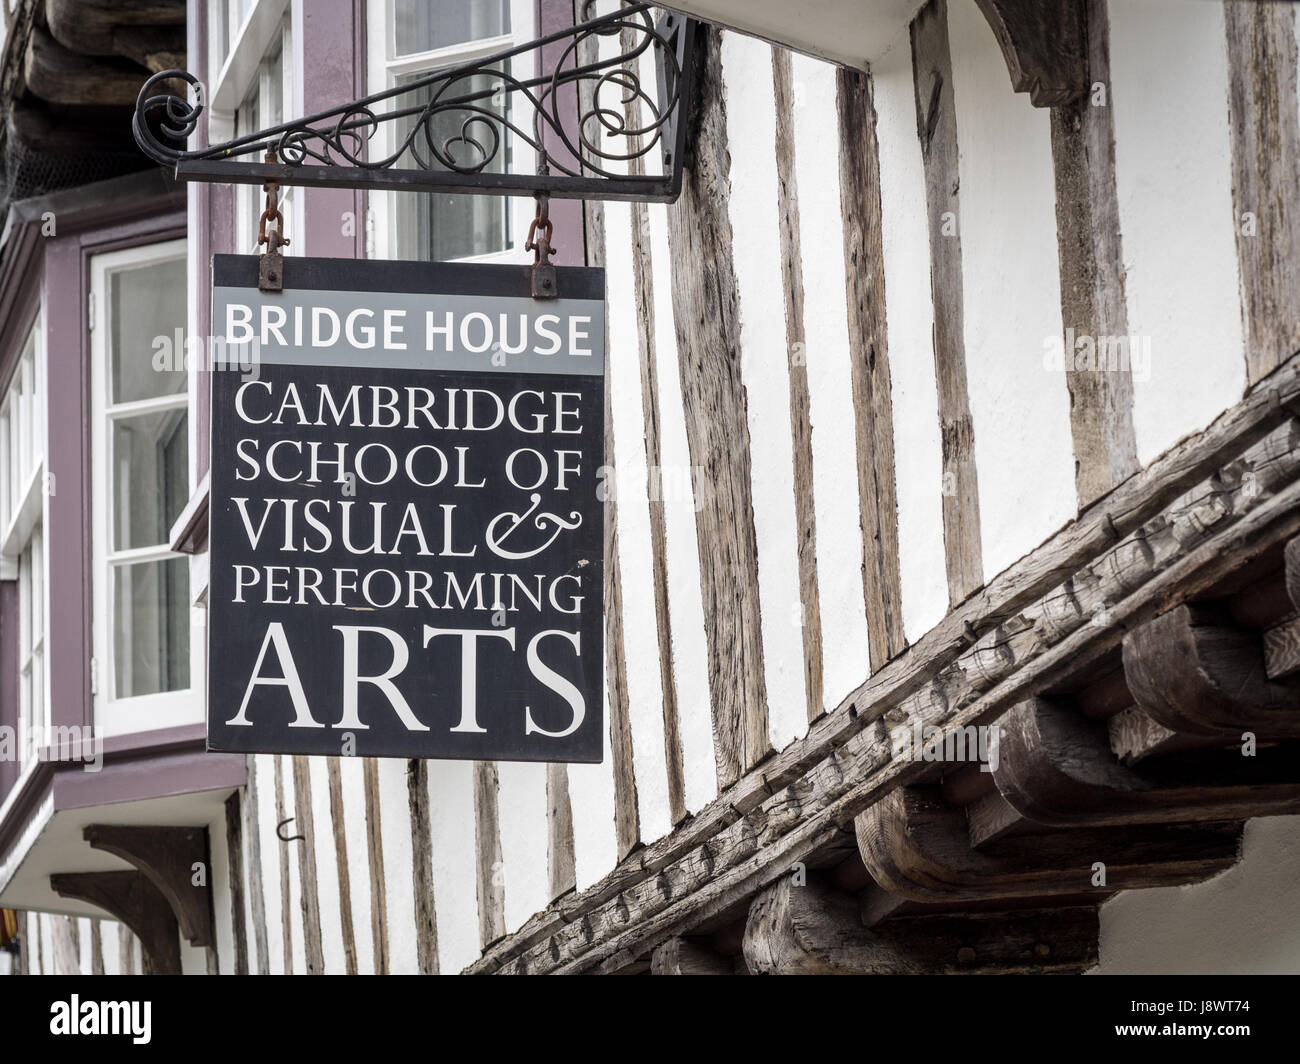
(146,649)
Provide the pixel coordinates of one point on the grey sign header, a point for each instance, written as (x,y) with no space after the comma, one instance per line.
(402,330)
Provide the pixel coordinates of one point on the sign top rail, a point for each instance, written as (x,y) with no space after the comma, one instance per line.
(597,125)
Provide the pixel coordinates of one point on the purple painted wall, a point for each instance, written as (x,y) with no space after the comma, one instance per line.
(329,41)
(9,678)
(554,15)
(68,536)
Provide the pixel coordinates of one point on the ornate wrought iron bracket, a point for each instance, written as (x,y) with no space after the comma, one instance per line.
(596,125)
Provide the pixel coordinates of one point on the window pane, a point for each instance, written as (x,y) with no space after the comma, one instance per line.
(150,456)
(420,26)
(444,226)
(146,304)
(152,627)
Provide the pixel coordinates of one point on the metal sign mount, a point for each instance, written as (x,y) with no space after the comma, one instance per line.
(598,126)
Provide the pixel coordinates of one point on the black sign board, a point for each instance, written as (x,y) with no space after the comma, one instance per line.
(406,533)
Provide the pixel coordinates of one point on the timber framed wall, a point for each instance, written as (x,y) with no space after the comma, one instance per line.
(854,482)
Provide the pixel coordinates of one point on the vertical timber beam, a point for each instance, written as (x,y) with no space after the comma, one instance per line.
(864,270)
(257,899)
(1263,116)
(627,821)
(343,869)
(561,867)
(936,124)
(1092,275)
(309,897)
(805,512)
(643,286)
(706,312)
(235,866)
(375,861)
(426,921)
(487,853)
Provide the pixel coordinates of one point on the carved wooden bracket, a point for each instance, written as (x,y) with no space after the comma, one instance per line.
(1206,679)
(1044,45)
(681,956)
(916,846)
(134,900)
(167,856)
(1056,767)
(814,929)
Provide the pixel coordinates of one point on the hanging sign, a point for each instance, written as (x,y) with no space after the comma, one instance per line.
(406,535)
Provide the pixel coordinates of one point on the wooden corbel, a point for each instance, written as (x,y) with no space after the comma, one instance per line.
(1056,767)
(1207,679)
(681,956)
(917,847)
(1044,45)
(814,929)
(136,902)
(167,856)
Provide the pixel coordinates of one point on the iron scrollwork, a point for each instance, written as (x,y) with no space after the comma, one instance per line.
(595,125)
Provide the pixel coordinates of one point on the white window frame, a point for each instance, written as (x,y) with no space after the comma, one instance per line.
(382,73)
(249,199)
(232,75)
(166,709)
(24,512)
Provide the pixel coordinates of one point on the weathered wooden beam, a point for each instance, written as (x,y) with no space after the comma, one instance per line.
(1201,512)
(1044,45)
(150,33)
(343,868)
(805,510)
(1291,570)
(286,890)
(235,869)
(1282,650)
(864,270)
(1056,768)
(426,919)
(133,899)
(1135,736)
(1092,277)
(627,829)
(308,892)
(375,864)
(936,124)
(1207,679)
(257,896)
(1264,118)
(813,929)
(706,313)
(918,847)
(171,858)
(681,956)
(561,866)
(58,75)
(487,854)
(647,344)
